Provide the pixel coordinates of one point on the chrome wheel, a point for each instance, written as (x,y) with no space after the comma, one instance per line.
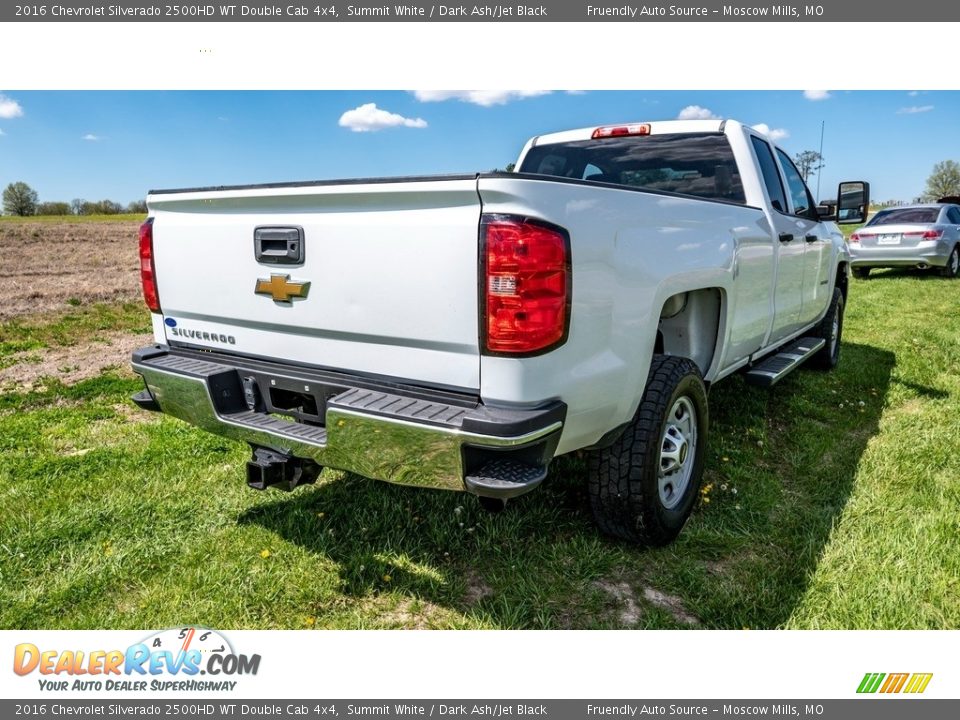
(678,449)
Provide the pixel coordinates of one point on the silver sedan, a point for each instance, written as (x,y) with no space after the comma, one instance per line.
(921,236)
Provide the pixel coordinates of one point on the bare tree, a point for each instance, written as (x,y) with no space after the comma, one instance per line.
(809,162)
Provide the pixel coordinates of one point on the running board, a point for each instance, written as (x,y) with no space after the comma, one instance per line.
(774,368)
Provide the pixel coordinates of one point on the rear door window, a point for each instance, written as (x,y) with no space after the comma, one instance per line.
(953,216)
(698,164)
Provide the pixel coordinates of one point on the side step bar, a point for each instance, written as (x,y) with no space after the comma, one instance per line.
(774,368)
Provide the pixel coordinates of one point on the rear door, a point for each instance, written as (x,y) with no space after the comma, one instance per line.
(386,286)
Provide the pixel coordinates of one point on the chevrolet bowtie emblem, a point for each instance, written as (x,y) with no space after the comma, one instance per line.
(281,289)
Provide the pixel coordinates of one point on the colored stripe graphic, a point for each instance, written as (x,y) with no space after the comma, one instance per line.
(870,683)
(894,683)
(918,682)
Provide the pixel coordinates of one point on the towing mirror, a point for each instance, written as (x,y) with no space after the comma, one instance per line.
(853,202)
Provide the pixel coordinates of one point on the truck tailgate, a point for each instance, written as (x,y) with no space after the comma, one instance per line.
(391,267)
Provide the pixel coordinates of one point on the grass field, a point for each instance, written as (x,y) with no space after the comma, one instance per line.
(830,501)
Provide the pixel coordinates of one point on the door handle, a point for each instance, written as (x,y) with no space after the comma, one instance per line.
(786,237)
(810,238)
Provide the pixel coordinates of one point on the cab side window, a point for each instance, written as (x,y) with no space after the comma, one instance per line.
(803,204)
(771,176)
(953,216)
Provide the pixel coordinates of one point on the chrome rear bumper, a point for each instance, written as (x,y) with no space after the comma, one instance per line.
(396,435)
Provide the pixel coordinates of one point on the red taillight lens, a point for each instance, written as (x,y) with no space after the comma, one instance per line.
(148,275)
(621,130)
(925,234)
(526,285)
(855,238)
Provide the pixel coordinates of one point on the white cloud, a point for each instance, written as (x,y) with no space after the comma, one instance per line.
(695,112)
(370,118)
(816,94)
(913,93)
(484,98)
(1,132)
(9,108)
(772,133)
(91,137)
(914,109)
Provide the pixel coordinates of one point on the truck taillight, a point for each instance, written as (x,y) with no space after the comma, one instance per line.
(526,285)
(855,239)
(148,274)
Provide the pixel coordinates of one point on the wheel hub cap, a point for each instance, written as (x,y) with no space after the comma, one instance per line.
(677,452)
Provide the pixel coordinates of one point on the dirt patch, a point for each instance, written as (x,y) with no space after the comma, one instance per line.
(629,612)
(49,266)
(671,604)
(70,364)
(477,589)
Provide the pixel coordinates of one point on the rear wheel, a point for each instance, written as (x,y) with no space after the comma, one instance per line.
(643,487)
(830,329)
(952,267)
(861,273)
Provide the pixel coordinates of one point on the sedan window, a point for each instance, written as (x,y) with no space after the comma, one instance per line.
(906,216)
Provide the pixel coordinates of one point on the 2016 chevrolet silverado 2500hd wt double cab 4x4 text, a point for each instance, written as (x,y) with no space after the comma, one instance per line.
(462,331)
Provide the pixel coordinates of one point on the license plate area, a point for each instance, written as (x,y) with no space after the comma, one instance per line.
(888,239)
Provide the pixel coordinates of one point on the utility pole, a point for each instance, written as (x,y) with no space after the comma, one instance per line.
(822,124)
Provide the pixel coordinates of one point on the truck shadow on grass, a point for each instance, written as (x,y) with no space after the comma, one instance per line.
(780,468)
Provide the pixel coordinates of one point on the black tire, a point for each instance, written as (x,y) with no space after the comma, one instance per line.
(951,269)
(861,273)
(624,479)
(829,355)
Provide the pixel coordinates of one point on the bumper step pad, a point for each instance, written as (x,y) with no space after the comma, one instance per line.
(505,479)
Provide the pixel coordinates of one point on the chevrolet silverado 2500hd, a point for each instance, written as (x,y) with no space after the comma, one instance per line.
(462,331)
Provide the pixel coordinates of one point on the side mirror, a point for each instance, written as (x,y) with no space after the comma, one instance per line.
(827,211)
(853,202)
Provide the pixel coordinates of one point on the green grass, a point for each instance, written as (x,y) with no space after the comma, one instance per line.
(830,501)
(82,325)
(121,217)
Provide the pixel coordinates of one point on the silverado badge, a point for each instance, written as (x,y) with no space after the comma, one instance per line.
(281,289)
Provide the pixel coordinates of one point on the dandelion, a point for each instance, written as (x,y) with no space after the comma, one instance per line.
(264,554)
(706,499)
(387,578)
(446,554)
(841,406)
(321,515)
(759,443)
(458,509)
(736,507)
(108,548)
(723,487)
(460,524)
(310,621)
(726,459)
(861,403)
(733,490)
(469,529)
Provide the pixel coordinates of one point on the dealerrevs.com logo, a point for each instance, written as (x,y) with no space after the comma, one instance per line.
(169,660)
(892,683)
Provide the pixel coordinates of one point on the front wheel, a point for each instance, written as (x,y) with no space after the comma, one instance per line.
(831,330)
(643,487)
(952,267)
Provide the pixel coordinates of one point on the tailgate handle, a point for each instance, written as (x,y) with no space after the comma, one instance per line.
(278,245)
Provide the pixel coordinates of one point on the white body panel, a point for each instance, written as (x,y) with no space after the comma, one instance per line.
(394,277)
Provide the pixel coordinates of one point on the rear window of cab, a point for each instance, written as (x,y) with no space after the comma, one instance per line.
(698,164)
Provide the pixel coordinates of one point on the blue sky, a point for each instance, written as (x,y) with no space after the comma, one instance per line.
(119,144)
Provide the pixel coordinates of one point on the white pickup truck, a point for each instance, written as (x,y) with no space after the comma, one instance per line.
(460,332)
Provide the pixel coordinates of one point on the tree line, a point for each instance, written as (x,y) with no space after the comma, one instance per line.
(21,199)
